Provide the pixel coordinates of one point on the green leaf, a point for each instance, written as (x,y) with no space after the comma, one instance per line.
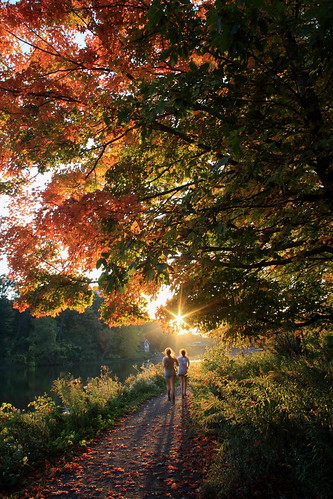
(161,267)
(173,59)
(101,262)
(106,118)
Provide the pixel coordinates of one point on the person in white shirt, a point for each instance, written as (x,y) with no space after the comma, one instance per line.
(184,363)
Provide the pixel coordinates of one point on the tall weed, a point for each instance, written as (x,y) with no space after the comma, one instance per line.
(78,399)
(149,378)
(29,438)
(273,418)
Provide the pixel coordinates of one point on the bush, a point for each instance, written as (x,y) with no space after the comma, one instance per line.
(273,418)
(98,392)
(47,430)
(25,436)
(149,378)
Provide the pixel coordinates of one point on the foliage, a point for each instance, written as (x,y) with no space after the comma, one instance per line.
(45,430)
(273,418)
(145,379)
(181,142)
(25,436)
(70,337)
(78,399)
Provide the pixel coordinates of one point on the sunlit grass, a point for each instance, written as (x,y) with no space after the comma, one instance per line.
(272,419)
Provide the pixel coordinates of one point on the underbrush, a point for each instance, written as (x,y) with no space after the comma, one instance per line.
(46,430)
(272,417)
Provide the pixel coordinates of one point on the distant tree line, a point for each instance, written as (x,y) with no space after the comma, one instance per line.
(73,336)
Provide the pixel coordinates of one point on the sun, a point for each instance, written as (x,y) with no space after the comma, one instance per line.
(178,319)
(179,323)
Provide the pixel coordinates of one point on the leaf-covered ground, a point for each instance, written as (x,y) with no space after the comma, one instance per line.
(149,454)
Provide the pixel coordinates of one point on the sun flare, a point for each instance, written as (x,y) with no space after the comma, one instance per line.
(178,321)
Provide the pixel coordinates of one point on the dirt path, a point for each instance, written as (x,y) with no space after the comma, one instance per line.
(149,454)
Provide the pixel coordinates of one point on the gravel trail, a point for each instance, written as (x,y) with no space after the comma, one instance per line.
(148,454)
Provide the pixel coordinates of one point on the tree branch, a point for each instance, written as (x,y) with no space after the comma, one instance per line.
(315,318)
(281,261)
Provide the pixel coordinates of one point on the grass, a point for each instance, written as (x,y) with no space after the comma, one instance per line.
(273,421)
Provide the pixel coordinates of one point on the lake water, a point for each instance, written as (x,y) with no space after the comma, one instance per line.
(20,384)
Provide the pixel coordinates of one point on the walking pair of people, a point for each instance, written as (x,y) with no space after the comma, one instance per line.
(170,363)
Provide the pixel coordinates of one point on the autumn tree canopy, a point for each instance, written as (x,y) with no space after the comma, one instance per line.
(182,141)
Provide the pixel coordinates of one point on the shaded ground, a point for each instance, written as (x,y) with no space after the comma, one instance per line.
(149,454)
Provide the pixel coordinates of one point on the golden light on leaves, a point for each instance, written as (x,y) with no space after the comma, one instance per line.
(179,319)
(160,300)
(158,309)
(178,322)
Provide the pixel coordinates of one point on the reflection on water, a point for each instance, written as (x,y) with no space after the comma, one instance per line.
(20,384)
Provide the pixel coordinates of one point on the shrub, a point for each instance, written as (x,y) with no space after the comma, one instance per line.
(273,418)
(78,399)
(149,378)
(25,437)
(47,430)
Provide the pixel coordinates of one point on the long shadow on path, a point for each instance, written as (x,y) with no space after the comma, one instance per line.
(149,454)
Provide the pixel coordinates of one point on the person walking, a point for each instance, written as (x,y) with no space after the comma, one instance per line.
(183,365)
(170,362)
